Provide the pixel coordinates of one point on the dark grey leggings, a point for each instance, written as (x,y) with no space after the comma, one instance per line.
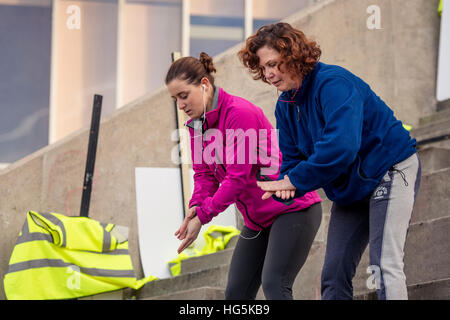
(273,256)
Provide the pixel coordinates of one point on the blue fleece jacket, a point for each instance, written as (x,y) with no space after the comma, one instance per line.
(337,134)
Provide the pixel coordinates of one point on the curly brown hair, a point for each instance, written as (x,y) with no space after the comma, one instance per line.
(299,54)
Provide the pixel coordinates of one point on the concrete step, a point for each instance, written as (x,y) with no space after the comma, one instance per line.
(433,158)
(433,199)
(444,114)
(203,293)
(433,290)
(440,126)
(443,105)
(426,251)
(434,129)
(216,259)
(222,257)
(426,255)
(212,277)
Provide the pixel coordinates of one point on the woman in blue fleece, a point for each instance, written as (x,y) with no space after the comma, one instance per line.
(337,134)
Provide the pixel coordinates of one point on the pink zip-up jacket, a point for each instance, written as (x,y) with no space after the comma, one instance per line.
(234,148)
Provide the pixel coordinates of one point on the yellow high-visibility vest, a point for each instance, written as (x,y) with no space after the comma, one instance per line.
(441,4)
(61,257)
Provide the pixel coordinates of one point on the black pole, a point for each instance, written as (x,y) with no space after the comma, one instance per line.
(90,161)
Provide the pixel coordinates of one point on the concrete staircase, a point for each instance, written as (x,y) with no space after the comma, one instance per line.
(427,257)
(433,128)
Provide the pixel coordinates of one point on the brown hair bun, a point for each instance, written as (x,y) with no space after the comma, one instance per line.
(207,62)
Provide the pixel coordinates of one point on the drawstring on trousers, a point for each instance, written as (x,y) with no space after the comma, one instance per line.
(402,174)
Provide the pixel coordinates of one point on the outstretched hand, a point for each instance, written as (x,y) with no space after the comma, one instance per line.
(181,232)
(193,228)
(189,229)
(283,189)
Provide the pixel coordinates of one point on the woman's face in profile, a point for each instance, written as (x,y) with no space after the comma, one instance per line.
(188,97)
(269,60)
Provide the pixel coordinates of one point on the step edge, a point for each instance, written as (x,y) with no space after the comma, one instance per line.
(161,297)
(409,286)
(139,293)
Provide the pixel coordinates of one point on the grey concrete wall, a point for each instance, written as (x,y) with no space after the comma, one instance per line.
(398,61)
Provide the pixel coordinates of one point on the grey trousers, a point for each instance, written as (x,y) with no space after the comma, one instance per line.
(382,221)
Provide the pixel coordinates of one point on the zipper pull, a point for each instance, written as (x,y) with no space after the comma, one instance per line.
(298,113)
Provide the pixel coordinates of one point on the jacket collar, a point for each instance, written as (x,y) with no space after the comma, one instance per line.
(304,88)
(212,116)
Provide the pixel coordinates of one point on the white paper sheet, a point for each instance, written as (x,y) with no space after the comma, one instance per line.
(160,214)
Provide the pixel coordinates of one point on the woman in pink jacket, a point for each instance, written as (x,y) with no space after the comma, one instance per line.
(233,145)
